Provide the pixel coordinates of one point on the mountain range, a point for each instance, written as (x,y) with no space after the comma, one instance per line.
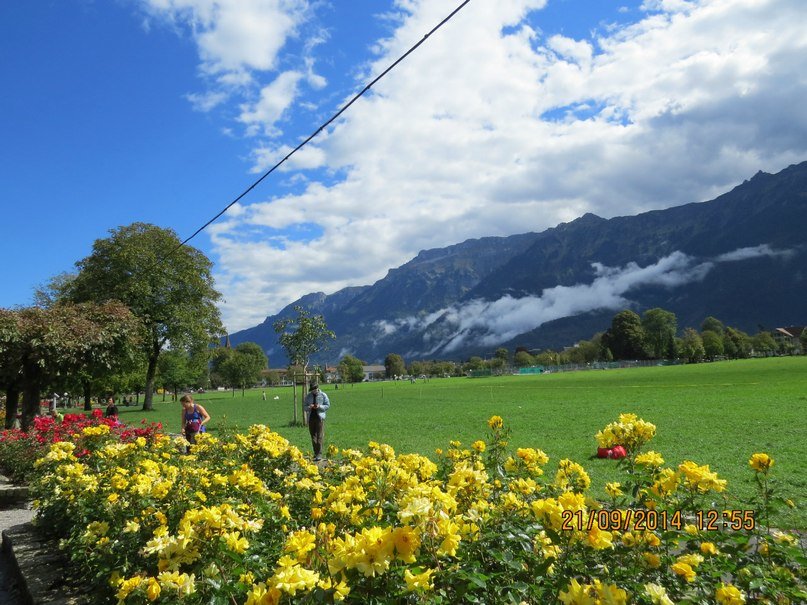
(741,257)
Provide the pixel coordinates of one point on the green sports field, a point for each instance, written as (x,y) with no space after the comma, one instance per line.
(717,414)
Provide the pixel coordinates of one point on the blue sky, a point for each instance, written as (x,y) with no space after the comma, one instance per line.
(517,115)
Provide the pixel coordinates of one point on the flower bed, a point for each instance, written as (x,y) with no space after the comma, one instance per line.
(248,519)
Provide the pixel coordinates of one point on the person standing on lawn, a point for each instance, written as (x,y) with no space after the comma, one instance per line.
(316,403)
(194,417)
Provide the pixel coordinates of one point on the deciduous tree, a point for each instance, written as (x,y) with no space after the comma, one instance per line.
(350,369)
(712,344)
(691,346)
(243,368)
(394,365)
(167,286)
(625,338)
(40,346)
(659,328)
(522,359)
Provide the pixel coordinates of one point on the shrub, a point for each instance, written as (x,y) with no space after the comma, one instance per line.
(248,519)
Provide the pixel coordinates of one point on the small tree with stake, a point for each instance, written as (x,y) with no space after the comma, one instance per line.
(301,337)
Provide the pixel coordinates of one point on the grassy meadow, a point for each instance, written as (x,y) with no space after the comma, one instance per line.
(717,414)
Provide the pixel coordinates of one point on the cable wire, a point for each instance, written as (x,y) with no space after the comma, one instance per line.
(323,126)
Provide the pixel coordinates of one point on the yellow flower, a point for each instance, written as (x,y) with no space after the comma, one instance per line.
(406,542)
(495,422)
(572,476)
(127,586)
(341,590)
(652,559)
(760,462)
(610,594)
(650,458)
(726,594)
(684,570)
(700,478)
(708,548)
(479,446)
(260,595)
(419,582)
(153,590)
(235,542)
(613,489)
(692,560)
(599,539)
(294,578)
(300,543)
(657,594)
(576,594)
(451,538)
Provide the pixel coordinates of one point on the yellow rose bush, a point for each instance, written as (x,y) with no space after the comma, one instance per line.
(248,519)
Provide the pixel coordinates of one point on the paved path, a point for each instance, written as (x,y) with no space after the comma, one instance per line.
(11,593)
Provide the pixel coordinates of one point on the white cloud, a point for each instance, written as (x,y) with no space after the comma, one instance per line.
(208,100)
(274,100)
(491,129)
(234,36)
(753,252)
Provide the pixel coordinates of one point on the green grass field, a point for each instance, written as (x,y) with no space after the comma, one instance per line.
(717,414)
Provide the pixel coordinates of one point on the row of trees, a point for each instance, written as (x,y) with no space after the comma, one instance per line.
(137,295)
(653,335)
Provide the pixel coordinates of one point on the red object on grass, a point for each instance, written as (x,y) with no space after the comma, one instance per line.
(603,452)
(617,452)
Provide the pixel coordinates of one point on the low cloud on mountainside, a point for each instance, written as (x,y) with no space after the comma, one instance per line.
(488,323)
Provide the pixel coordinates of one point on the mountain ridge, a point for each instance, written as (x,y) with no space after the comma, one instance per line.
(736,257)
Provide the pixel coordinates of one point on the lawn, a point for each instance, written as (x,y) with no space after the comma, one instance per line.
(717,414)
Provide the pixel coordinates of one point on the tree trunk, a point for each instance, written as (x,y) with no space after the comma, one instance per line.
(305,392)
(294,397)
(87,390)
(12,404)
(30,403)
(151,372)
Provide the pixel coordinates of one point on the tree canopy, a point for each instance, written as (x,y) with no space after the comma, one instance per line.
(168,287)
(394,365)
(350,369)
(41,347)
(242,368)
(303,336)
(659,327)
(626,337)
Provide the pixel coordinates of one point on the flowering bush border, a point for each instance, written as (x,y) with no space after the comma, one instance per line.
(249,519)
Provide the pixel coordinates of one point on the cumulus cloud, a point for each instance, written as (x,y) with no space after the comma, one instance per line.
(496,127)
(274,100)
(234,36)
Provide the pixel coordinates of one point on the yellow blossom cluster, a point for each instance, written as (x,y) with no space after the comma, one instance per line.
(630,431)
(250,520)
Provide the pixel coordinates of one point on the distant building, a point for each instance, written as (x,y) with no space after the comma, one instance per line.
(374,372)
(790,335)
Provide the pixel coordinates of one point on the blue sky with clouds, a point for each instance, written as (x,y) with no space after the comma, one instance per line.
(517,115)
